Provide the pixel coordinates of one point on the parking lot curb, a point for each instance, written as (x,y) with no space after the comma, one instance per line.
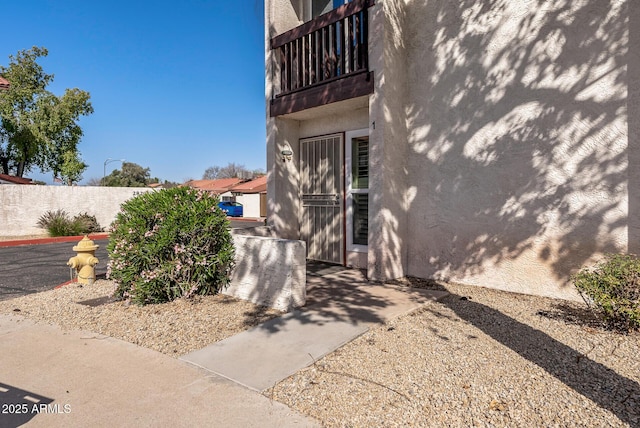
(50,240)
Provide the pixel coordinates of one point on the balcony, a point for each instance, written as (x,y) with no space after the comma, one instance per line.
(324,60)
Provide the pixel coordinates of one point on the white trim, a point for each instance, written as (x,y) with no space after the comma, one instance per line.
(348,137)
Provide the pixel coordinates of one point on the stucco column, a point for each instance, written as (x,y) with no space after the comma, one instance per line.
(387,144)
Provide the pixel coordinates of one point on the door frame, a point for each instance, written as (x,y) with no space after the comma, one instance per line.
(323,199)
(349,191)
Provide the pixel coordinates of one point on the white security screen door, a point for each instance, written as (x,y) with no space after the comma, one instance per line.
(322,195)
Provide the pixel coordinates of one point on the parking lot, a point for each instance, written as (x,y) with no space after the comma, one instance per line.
(32,268)
(26,269)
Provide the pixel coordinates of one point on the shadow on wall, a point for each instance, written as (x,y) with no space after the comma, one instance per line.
(519,152)
(633,105)
(517,118)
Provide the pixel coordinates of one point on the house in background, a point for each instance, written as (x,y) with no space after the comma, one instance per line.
(220,187)
(253,196)
(4,83)
(488,143)
(10,179)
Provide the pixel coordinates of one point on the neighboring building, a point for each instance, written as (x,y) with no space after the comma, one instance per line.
(10,179)
(488,143)
(4,83)
(253,197)
(220,187)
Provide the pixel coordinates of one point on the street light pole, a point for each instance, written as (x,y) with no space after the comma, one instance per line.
(104,169)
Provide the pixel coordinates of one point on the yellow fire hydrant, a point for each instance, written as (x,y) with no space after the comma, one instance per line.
(84,262)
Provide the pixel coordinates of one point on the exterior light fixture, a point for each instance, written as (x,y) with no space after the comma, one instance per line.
(287,154)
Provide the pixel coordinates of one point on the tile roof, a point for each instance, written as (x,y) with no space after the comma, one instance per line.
(15,180)
(257,185)
(218,186)
(4,83)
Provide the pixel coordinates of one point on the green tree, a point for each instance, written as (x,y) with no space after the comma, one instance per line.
(38,128)
(131,175)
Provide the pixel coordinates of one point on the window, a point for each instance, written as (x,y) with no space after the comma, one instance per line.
(316,8)
(357,189)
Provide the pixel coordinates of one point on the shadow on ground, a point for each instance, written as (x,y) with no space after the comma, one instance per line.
(610,390)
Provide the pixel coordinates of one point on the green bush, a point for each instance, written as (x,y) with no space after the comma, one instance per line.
(59,223)
(87,223)
(612,289)
(169,244)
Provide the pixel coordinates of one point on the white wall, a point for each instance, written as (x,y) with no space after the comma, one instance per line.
(518,148)
(250,204)
(22,205)
(268,271)
(502,153)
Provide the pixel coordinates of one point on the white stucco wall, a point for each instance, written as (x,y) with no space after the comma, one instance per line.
(268,271)
(22,205)
(250,204)
(518,143)
(388,237)
(502,153)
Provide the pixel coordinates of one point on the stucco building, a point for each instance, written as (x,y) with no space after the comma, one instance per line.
(483,142)
(252,195)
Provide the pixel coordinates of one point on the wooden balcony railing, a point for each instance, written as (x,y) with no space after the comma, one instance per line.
(326,49)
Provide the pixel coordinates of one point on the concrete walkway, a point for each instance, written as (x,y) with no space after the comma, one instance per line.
(341,306)
(53,378)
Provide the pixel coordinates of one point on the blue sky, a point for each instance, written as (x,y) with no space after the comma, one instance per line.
(177,86)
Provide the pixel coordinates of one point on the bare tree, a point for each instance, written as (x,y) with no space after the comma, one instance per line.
(94,181)
(232,170)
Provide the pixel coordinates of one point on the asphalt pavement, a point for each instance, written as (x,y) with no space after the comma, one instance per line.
(35,267)
(26,269)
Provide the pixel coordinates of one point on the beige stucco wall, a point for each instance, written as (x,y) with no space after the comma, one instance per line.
(500,146)
(518,142)
(22,206)
(633,106)
(280,16)
(388,240)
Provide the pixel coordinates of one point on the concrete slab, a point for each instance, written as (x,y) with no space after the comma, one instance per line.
(360,302)
(56,378)
(261,357)
(342,307)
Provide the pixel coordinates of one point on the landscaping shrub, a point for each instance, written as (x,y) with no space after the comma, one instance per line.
(169,244)
(88,223)
(612,289)
(59,223)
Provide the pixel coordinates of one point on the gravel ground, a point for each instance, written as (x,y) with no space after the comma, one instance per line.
(174,328)
(478,358)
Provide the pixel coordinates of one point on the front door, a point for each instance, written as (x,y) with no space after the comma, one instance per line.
(322,194)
